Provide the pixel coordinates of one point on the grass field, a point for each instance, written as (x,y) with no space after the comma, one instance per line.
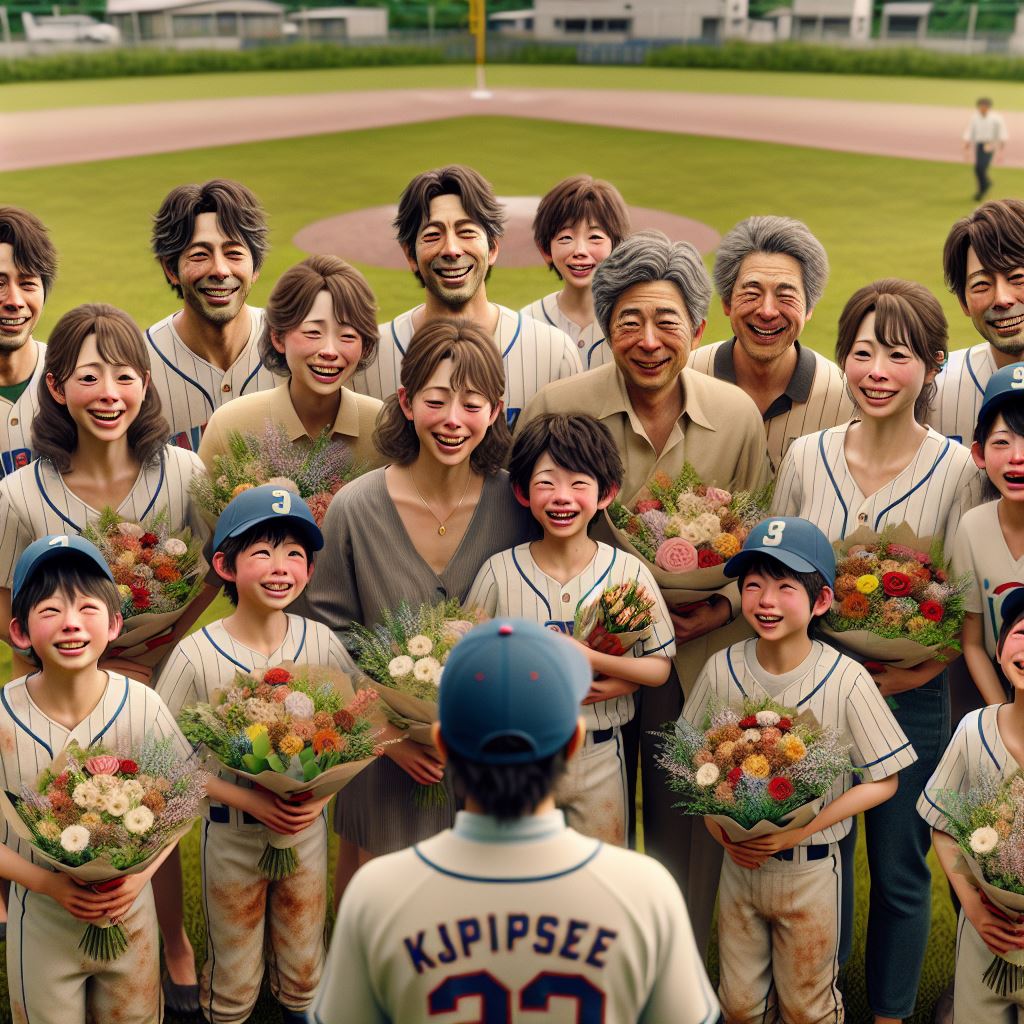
(876,216)
(885,89)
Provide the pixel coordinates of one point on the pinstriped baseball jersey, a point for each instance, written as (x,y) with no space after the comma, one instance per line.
(815,398)
(930,495)
(511,583)
(980,550)
(208,660)
(30,740)
(16,420)
(36,501)
(975,752)
(500,923)
(534,354)
(191,389)
(961,387)
(590,340)
(835,689)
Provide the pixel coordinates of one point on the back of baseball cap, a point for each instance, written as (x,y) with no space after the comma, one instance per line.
(796,543)
(511,678)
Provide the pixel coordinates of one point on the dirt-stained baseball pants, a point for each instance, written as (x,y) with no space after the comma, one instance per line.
(592,792)
(973,1000)
(253,922)
(778,939)
(51,981)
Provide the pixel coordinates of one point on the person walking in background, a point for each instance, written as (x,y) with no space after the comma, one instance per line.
(986,135)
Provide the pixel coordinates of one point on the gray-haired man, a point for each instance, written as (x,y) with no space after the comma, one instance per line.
(770,273)
(651,299)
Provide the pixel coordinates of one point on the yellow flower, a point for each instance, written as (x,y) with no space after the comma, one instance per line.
(290,745)
(241,489)
(726,545)
(126,559)
(793,748)
(916,623)
(256,729)
(757,766)
(867,584)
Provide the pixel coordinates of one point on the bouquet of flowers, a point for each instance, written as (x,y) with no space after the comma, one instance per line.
(158,573)
(618,619)
(895,601)
(315,472)
(99,816)
(988,824)
(404,655)
(292,731)
(686,531)
(755,769)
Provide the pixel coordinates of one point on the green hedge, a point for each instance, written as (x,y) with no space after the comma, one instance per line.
(839,60)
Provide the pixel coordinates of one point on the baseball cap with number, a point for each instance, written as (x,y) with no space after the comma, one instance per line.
(56,545)
(796,543)
(1004,385)
(267,503)
(511,678)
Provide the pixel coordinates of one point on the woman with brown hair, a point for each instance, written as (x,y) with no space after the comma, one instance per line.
(320,326)
(881,469)
(417,531)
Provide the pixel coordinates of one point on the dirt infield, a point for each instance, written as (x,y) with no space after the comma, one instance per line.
(43,138)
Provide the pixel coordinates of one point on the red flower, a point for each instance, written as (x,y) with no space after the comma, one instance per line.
(780,789)
(735,775)
(897,584)
(149,540)
(931,610)
(648,505)
(707,559)
(784,724)
(750,722)
(128,766)
(140,595)
(940,576)
(276,676)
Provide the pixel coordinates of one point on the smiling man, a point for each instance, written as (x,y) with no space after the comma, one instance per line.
(983,263)
(210,240)
(28,265)
(651,298)
(770,273)
(449,224)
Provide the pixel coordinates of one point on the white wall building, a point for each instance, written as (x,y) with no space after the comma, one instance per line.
(336,24)
(620,20)
(226,22)
(832,20)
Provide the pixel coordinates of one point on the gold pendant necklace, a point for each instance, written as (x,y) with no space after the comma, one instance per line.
(441,528)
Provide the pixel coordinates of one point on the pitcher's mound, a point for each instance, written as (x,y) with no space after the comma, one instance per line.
(366,236)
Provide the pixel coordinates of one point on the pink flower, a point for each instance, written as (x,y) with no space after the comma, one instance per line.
(717,496)
(676,555)
(103,764)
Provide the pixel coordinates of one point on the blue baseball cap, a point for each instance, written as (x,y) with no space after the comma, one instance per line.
(796,543)
(511,677)
(268,503)
(56,545)
(1012,606)
(1004,385)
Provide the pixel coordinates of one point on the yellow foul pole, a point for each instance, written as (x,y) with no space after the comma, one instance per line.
(478,28)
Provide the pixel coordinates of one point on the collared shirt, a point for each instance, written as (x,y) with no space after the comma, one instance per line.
(814,399)
(590,340)
(251,414)
(960,389)
(990,128)
(16,419)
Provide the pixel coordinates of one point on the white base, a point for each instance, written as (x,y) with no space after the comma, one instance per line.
(482,94)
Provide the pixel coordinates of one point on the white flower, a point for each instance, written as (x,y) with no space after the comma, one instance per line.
(692,533)
(751,735)
(174,547)
(130,530)
(984,839)
(105,782)
(117,803)
(85,794)
(427,670)
(400,666)
(285,482)
(298,705)
(765,719)
(74,838)
(132,789)
(707,774)
(139,820)
(420,645)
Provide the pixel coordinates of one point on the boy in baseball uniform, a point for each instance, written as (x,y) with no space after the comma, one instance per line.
(66,609)
(576,226)
(779,895)
(565,469)
(210,241)
(263,549)
(511,912)
(988,744)
(449,224)
(28,266)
